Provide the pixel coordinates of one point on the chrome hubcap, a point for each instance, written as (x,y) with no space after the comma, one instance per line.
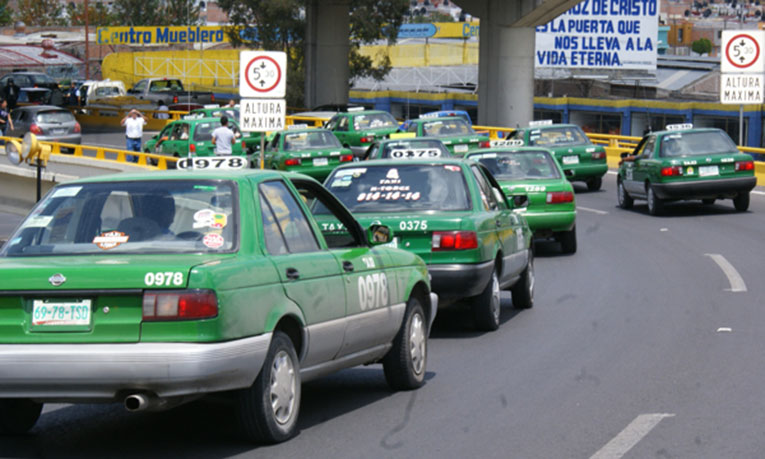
(417,343)
(283,387)
(651,198)
(495,301)
(532,280)
(621,192)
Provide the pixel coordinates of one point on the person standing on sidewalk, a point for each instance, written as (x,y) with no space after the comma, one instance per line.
(5,119)
(223,137)
(134,123)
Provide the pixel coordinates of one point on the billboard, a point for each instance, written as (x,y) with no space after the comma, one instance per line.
(601,34)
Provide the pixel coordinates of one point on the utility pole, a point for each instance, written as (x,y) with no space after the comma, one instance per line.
(87,43)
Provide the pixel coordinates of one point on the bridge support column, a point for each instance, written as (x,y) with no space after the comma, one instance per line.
(326,54)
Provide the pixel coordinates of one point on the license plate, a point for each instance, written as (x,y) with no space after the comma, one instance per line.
(570,160)
(61,313)
(58,131)
(320,161)
(460,148)
(706,171)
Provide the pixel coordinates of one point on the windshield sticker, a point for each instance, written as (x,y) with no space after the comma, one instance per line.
(483,156)
(341,182)
(416,153)
(213,240)
(355,172)
(392,174)
(110,239)
(205,187)
(208,218)
(673,136)
(452,168)
(39,221)
(389,196)
(66,192)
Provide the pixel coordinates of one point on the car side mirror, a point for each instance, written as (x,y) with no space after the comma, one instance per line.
(379,234)
(629,157)
(520,202)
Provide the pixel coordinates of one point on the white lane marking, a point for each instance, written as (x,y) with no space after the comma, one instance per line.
(594,211)
(758,192)
(630,436)
(49,408)
(612,173)
(736,282)
(664,230)
(724,330)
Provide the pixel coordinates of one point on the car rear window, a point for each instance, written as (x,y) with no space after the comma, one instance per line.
(54,117)
(374,121)
(41,78)
(150,216)
(382,189)
(310,140)
(447,128)
(558,136)
(519,165)
(696,143)
(203,131)
(415,148)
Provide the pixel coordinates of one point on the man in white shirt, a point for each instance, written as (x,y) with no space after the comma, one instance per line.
(134,122)
(162,111)
(223,137)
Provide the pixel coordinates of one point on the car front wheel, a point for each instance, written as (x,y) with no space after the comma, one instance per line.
(486,306)
(404,365)
(17,416)
(625,200)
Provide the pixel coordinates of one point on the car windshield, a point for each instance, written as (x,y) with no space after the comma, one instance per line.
(41,78)
(447,128)
(558,136)
(54,117)
(400,188)
(106,91)
(696,143)
(310,140)
(415,148)
(151,216)
(33,96)
(519,165)
(374,121)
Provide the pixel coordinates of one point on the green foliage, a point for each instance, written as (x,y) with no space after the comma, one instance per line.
(98,14)
(701,46)
(181,12)
(6,17)
(156,12)
(435,16)
(40,12)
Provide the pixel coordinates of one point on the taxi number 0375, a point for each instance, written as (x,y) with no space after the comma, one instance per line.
(165,279)
(373,291)
(413,225)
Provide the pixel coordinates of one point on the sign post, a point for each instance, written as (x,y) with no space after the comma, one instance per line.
(743,71)
(262,86)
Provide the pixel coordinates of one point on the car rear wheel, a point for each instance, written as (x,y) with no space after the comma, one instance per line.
(741,202)
(625,200)
(655,205)
(486,306)
(568,240)
(523,290)
(594,183)
(18,415)
(708,202)
(268,410)
(404,364)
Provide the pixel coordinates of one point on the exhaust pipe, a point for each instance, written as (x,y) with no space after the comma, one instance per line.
(136,402)
(150,402)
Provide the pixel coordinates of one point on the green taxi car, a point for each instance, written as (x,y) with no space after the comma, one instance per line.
(581,160)
(452,214)
(407,148)
(683,163)
(194,134)
(216,111)
(534,173)
(154,289)
(458,136)
(311,151)
(357,129)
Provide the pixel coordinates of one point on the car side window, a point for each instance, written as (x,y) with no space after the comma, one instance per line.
(487,196)
(274,239)
(372,152)
(412,128)
(342,124)
(645,150)
(290,218)
(274,144)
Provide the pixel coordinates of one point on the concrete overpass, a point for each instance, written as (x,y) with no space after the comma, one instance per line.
(506,65)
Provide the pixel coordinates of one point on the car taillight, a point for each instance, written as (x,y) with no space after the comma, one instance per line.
(346,158)
(212,97)
(671,171)
(744,166)
(77,128)
(599,155)
(367,139)
(559,197)
(293,162)
(454,240)
(35,129)
(175,99)
(485,144)
(192,148)
(179,305)
(244,145)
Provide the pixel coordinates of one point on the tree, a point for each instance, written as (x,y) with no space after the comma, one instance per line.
(40,12)
(181,12)
(372,20)
(157,12)
(701,46)
(6,17)
(98,14)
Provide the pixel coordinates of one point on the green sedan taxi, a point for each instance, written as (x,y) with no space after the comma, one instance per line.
(534,173)
(398,147)
(581,160)
(683,163)
(193,134)
(358,128)
(216,111)
(311,151)
(458,136)
(152,290)
(452,214)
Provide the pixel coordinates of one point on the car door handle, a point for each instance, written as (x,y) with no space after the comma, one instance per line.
(293,274)
(348,266)
(498,222)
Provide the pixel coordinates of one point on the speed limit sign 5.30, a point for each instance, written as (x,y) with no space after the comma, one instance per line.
(742,51)
(262,74)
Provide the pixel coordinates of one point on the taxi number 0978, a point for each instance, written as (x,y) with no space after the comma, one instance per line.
(164,279)
(373,291)
(413,225)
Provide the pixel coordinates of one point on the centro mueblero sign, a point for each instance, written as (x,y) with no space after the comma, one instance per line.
(160,35)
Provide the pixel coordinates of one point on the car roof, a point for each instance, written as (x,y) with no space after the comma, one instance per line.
(308,129)
(682,131)
(402,162)
(227,175)
(439,118)
(410,139)
(519,149)
(40,108)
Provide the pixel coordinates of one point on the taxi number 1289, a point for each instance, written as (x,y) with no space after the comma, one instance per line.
(373,291)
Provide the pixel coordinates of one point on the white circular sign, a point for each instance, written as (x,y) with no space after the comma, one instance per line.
(262,74)
(742,51)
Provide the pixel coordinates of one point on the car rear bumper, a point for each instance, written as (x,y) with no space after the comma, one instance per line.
(51,372)
(701,189)
(551,221)
(454,281)
(584,171)
(70,138)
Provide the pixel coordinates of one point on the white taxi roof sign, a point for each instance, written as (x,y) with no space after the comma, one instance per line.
(541,123)
(402,135)
(297,126)
(678,127)
(356,109)
(211,106)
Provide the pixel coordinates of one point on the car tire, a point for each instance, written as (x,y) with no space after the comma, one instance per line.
(404,365)
(523,290)
(594,183)
(741,202)
(487,307)
(708,202)
(655,205)
(265,415)
(18,415)
(625,200)
(568,241)
(151,161)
